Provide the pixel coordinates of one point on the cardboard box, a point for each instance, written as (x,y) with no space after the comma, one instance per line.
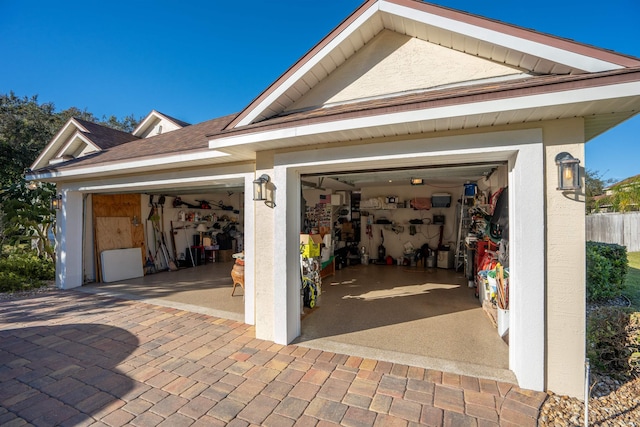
(225,255)
(310,245)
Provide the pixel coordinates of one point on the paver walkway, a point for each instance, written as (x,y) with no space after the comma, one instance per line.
(73,359)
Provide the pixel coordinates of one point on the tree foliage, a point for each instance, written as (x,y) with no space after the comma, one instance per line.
(594,187)
(626,195)
(26,127)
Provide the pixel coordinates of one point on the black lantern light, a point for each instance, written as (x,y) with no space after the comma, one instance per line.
(568,171)
(260,188)
(56,202)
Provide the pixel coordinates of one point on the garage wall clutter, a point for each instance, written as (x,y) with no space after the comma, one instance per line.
(220,213)
(444,225)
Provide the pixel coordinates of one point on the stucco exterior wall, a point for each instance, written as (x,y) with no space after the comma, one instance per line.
(395,63)
(266,250)
(566,271)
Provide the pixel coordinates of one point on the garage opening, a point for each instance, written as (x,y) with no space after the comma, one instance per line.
(412,265)
(170,246)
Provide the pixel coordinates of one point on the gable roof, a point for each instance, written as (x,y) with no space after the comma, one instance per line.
(103,136)
(189,144)
(80,136)
(155,118)
(493,40)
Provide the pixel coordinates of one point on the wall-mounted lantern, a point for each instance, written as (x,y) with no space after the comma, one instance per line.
(56,202)
(260,188)
(568,171)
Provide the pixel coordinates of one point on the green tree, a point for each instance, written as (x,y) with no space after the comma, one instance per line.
(27,217)
(594,186)
(26,126)
(626,195)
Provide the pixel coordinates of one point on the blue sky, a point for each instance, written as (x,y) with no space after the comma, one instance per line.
(202,59)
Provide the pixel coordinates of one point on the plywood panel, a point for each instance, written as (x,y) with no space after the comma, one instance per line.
(113,233)
(118,206)
(121,205)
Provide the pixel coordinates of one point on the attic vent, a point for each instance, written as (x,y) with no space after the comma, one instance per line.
(159,129)
(57,160)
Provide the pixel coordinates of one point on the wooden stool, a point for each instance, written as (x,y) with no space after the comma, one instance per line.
(237,275)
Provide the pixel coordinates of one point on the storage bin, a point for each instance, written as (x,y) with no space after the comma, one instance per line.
(441,200)
(310,245)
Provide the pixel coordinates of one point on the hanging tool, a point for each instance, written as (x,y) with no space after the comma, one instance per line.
(191,251)
(173,242)
(382,251)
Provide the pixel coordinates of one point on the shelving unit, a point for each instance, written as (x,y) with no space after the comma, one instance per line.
(464,224)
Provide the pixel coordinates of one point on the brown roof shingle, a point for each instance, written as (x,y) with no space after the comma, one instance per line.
(190,138)
(103,136)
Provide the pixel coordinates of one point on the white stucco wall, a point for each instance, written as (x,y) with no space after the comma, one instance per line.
(566,268)
(69,228)
(524,151)
(395,63)
(267,256)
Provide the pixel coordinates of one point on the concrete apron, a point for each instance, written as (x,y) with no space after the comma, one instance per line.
(428,318)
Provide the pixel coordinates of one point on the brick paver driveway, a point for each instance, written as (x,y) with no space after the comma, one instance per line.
(69,358)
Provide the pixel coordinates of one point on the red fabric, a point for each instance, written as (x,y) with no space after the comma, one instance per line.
(421,203)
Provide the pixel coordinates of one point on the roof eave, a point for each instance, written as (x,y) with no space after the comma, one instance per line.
(65,172)
(323,128)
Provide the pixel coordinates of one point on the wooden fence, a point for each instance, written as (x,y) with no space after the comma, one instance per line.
(623,229)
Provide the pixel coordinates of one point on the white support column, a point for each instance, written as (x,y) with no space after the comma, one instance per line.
(287,253)
(527,266)
(69,241)
(249,252)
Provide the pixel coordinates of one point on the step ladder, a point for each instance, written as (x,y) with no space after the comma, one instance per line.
(464,223)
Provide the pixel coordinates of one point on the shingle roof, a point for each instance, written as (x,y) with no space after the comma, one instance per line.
(103,136)
(197,137)
(436,98)
(174,120)
(190,138)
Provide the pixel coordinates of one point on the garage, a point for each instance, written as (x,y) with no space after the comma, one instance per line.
(187,239)
(399,261)
(400,90)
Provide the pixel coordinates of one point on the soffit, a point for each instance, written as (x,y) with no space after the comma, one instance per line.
(603,99)
(477,36)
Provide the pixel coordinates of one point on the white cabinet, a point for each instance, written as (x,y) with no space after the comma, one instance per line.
(445,259)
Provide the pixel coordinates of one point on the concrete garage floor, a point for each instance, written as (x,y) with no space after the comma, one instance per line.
(427,318)
(202,289)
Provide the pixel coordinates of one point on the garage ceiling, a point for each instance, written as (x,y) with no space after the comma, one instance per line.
(353,180)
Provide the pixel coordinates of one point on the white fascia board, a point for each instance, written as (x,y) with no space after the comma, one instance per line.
(80,136)
(130,166)
(143,124)
(550,53)
(475,147)
(502,105)
(312,62)
(56,141)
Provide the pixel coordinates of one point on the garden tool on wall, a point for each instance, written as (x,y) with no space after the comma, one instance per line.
(382,251)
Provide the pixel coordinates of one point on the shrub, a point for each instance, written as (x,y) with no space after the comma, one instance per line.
(607,267)
(20,271)
(613,341)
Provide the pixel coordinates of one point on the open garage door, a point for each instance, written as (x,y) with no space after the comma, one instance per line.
(183,241)
(404,265)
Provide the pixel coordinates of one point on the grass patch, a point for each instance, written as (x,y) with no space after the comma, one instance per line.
(632,282)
